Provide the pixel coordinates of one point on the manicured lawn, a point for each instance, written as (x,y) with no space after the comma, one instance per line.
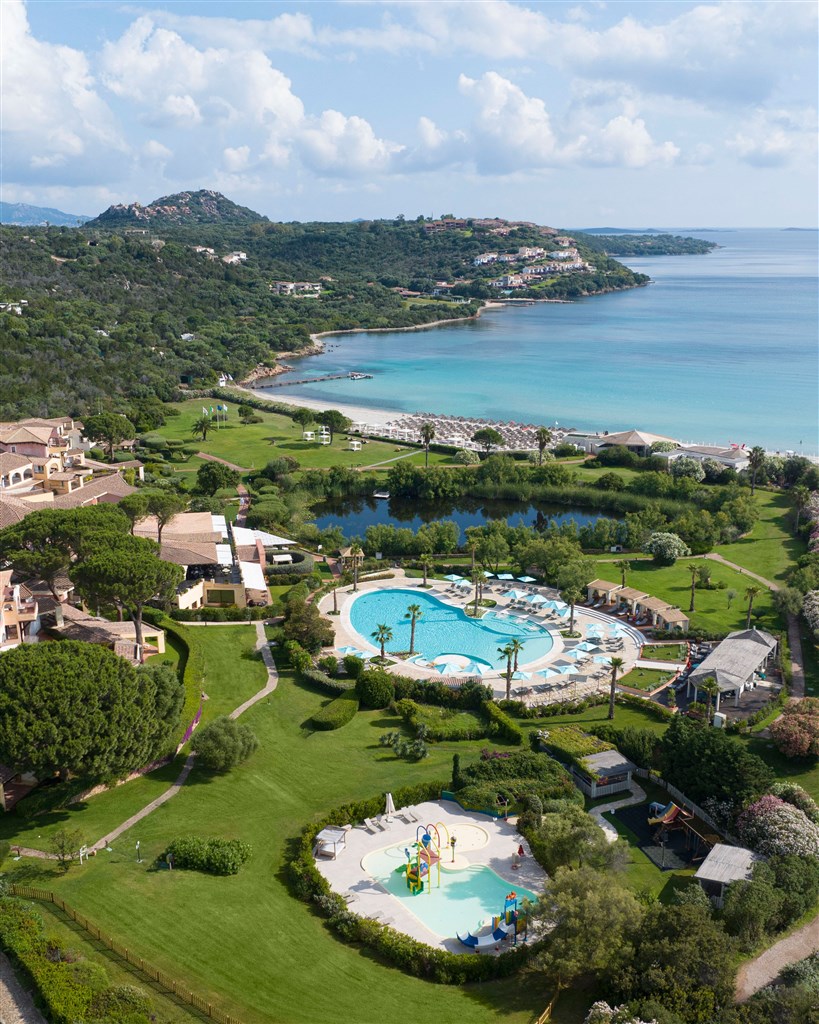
(253,445)
(770,548)
(645,678)
(664,652)
(712,612)
(641,873)
(810,655)
(804,771)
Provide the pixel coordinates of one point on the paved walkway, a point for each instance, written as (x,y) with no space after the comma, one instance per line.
(16,1005)
(230,465)
(758,973)
(176,785)
(638,796)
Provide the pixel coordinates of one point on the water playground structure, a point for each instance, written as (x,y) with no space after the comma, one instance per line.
(426,857)
(510,923)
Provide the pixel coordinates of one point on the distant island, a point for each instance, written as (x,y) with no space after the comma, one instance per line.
(25,215)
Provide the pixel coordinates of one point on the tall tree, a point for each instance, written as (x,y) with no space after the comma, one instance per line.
(355,553)
(616,665)
(692,568)
(476,577)
(135,506)
(128,574)
(382,635)
(427,434)
(800,497)
(756,461)
(79,709)
(304,417)
(751,592)
(488,438)
(508,653)
(710,689)
(517,648)
(426,565)
(542,438)
(109,427)
(414,613)
(624,565)
(38,547)
(335,421)
(166,506)
(215,476)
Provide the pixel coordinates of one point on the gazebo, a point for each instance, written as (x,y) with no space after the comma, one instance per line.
(605,773)
(671,619)
(734,663)
(629,597)
(331,841)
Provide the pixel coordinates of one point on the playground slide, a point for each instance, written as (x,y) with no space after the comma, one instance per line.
(666,815)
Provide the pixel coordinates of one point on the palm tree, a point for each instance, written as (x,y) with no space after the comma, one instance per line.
(355,554)
(334,587)
(571,596)
(710,688)
(517,647)
(477,579)
(800,496)
(542,436)
(616,665)
(623,565)
(414,613)
(427,434)
(692,568)
(202,427)
(508,653)
(756,460)
(426,565)
(750,593)
(382,635)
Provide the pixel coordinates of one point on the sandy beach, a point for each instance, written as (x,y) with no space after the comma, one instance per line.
(357,413)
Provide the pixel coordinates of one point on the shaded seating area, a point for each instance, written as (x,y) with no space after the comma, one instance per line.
(331,841)
(736,664)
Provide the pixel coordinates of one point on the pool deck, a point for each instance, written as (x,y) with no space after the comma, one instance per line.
(346,635)
(370,899)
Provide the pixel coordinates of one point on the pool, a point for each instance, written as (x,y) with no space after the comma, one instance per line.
(443,629)
(466,900)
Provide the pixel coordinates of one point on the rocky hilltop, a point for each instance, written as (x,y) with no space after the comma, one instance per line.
(183,208)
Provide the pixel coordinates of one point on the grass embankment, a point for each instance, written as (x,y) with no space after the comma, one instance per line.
(770,549)
(647,679)
(271,957)
(253,445)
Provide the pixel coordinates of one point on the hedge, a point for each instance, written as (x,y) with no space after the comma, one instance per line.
(651,707)
(335,687)
(452,729)
(410,955)
(71,990)
(213,855)
(337,713)
(231,614)
(501,725)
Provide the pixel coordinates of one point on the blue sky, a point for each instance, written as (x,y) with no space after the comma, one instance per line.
(574,114)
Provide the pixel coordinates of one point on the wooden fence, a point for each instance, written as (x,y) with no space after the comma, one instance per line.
(163,980)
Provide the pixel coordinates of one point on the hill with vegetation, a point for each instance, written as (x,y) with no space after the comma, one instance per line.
(24,214)
(650,244)
(131,314)
(183,208)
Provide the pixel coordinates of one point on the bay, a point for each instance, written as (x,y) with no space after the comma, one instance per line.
(719,348)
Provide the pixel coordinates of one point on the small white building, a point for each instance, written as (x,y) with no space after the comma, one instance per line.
(605,773)
(723,865)
(355,446)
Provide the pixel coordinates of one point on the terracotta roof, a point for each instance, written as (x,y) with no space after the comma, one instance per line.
(13,510)
(21,435)
(182,553)
(10,461)
(673,615)
(104,488)
(186,528)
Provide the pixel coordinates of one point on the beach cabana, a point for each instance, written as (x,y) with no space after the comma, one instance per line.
(628,597)
(602,590)
(672,619)
(651,607)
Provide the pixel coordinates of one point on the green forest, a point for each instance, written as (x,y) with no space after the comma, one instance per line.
(126,315)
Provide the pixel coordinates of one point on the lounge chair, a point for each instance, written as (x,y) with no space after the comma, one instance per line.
(371,826)
(382,823)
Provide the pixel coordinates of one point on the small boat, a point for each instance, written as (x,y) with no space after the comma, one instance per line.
(381,494)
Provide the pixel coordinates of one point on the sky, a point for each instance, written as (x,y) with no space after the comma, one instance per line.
(576,114)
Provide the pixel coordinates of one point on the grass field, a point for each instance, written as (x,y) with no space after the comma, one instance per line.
(645,678)
(664,652)
(770,548)
(253,445)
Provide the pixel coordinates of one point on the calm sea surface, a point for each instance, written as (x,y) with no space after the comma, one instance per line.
(720,348)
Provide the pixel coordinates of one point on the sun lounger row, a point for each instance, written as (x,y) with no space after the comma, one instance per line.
(383,824)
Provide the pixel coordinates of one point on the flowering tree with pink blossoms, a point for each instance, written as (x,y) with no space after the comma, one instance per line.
(771,826)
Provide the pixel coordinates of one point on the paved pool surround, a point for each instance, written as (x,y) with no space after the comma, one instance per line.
(346,635)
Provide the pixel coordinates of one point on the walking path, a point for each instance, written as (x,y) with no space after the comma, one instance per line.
(638,796)
(16,1004)
(230,465)
(176,785)
(761,971)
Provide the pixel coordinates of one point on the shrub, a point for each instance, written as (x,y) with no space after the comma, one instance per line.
(213,855)
(572,744)
(791,793)
(796,733)
(374,688)
(224,743)
(326,683)
(770,826)
(666,548)
(501,725)
(337,713)
(465,457)
(638,745)
(353,666)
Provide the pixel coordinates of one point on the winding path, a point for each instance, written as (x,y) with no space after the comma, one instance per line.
(762,970)
(176,785)
(638,796)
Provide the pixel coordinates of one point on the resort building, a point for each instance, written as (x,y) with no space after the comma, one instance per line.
(637,441)
(628,598)
(605,773)
(602,591)
(349,560)
(738,663)
(65,622)
(673,619)
(19,613)
(735,456)
(724,865)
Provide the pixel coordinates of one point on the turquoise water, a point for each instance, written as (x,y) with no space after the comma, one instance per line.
(443,629)
(465,901)
(720,348)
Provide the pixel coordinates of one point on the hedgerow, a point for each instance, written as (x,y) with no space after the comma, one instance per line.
(213,855)
(337,713)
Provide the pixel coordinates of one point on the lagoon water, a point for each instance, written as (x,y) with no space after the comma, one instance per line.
(719,348)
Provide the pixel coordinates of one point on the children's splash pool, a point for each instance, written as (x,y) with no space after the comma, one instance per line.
(465,901)
(444,629)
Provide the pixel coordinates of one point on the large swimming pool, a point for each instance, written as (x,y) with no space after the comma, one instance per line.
(465,901)
(443,629)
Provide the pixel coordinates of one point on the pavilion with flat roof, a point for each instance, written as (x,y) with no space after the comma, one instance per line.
(735,664)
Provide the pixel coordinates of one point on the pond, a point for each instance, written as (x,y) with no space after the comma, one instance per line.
(355,516)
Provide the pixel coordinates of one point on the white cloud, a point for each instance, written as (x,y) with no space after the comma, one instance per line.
(156,151)
(335,144)
(626,142)
(776,138)
(236,159)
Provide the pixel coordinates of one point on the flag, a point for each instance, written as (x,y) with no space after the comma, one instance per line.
(225,407)
(204,411)
(211,410)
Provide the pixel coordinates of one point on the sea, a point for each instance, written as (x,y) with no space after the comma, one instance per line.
(719,348)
